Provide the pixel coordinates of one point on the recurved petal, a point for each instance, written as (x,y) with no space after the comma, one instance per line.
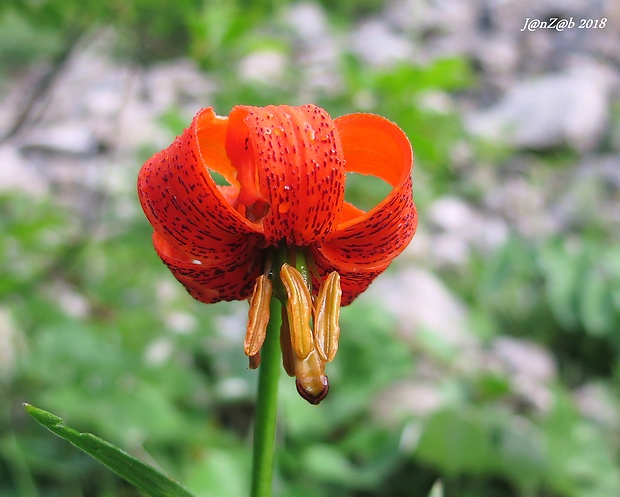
(229,277)
(352,281)
(290,169)
(181,200)
(366,242)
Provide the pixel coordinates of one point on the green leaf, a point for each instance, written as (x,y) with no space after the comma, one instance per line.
(562,272)
(596,305)
(478,440)
(457,441)
(136,472)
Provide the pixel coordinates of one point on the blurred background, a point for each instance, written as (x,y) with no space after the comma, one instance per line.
(486,356)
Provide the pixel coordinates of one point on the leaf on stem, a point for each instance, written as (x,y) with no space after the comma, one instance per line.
(136,472)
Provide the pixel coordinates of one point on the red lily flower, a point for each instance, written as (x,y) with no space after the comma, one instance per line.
(285,168)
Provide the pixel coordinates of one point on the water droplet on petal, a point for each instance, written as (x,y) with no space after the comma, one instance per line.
(310,132)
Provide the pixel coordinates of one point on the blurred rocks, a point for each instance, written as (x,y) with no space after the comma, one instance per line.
(460,229)
(421,302)
(318,49)
(598,403)
(379,45)
(16,174)
(558,109)
(264,66)
(408,398)
(69,138)
(308,20)
(69,300)
(529,367)
(525,206)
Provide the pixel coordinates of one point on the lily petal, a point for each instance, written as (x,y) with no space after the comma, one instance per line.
(182,201)
(209,246)
(366,242)
(290,168)
(211,280)
(353,282)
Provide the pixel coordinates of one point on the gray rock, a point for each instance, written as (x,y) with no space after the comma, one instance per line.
(70,137)
(177,82)
(266,66)
(408,398)
(530,368)
(597,402)
(308,20)
(524,204)
(554,110)
(379,45)
(17,175)
(421,302)
(523,357)
(318,50)
(461,229)
(436,28)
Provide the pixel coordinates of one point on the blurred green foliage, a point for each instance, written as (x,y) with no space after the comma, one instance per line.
(95,329)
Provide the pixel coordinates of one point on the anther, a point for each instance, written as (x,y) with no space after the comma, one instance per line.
(258,319)
(299,311)
(327,316)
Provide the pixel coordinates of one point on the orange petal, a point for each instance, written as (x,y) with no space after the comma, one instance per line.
(230,276)
(352,282)
(209,247)
(366,242)
(181,200)
(290,170)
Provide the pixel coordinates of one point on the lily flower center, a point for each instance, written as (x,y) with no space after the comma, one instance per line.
(310,325)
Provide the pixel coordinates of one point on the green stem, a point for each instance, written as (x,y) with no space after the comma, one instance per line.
(267,406)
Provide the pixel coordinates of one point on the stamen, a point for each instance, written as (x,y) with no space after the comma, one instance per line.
(299,311)
(304,352)
(254,361)
(258,319)
(327,316)
(288,361)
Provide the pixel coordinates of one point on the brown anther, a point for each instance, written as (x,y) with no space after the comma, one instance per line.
(258,318)
(299,311)
(288,360)
(254,361)
(327,316)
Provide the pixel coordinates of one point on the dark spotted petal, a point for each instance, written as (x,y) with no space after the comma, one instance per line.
(290,169)
(366,242)
(209,246)
(209,281)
